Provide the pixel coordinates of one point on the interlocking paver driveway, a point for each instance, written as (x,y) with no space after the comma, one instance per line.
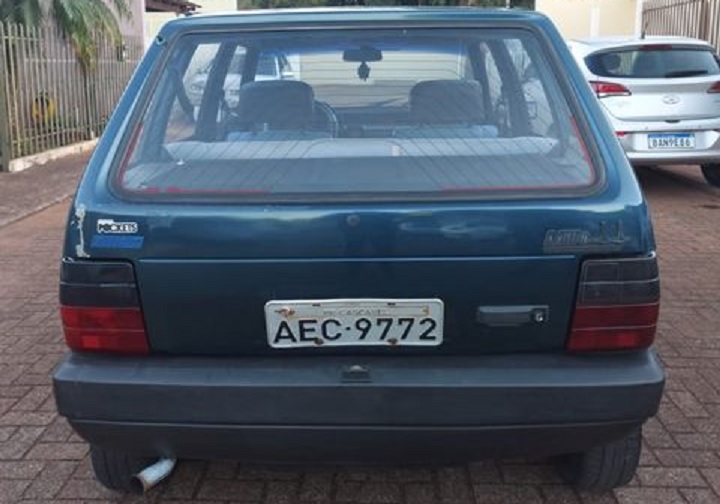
(42,461)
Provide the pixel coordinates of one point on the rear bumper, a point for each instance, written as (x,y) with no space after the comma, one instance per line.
(640,158)
(308,408)
(635,142)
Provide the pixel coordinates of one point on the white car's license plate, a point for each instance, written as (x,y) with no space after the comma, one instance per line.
(354,322)
(671,141)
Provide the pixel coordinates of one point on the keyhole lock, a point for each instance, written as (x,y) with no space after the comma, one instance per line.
(539,315)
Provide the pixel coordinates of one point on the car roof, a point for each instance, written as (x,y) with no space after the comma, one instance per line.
(589,45)
(292,16)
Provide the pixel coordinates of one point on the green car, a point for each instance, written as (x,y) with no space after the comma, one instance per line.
(398,253)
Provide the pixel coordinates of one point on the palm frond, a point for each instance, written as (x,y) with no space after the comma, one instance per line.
(24,12)
(83,21)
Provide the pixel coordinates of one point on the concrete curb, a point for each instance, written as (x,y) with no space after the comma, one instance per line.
(43,206)
(23,163)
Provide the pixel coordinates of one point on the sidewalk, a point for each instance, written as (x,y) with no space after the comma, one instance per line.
(32,190)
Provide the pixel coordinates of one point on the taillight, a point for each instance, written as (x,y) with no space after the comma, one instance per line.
(606,89)
(656,47)
(715,88)
(100,309)
(617,306)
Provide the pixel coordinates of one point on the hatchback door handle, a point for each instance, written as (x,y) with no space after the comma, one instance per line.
(509,316)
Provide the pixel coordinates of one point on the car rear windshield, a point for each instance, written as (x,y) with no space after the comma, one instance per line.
(654,62)
(356,113)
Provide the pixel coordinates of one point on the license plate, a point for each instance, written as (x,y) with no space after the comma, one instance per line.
(671,141)
(354,322)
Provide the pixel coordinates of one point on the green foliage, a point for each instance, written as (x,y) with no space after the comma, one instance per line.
(79,21)
(21,12)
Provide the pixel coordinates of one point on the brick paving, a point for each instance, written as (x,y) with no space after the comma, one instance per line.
(691,175)
(41,460)
(37,188)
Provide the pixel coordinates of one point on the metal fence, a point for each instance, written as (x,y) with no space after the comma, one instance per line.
(689,18)
(47,98)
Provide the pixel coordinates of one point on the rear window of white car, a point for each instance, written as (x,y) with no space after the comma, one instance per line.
(356,114)
(654,62)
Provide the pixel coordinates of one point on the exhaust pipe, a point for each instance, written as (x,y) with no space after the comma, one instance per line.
(153,474)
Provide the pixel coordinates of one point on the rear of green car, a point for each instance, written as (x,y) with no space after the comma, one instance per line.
(425,245)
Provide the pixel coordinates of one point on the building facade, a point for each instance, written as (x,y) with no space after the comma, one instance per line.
(594,18)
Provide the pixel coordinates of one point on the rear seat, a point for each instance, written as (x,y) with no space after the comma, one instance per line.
(447,109)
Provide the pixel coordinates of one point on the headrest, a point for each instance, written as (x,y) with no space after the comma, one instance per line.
(611,62)
(447,102)
(280,104)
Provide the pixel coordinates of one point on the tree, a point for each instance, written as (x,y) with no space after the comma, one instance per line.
(81,22)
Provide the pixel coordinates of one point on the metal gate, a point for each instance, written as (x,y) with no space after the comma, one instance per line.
(47,99)
(689,18)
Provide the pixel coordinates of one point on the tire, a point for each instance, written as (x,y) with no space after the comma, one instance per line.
(711,172)
(115,470)
(604,467)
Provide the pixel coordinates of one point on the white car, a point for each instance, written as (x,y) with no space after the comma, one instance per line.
(662,96)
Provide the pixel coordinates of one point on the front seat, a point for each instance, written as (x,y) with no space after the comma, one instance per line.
(274,110)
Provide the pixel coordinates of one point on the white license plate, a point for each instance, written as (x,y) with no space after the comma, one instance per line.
(671,141)
(354,322)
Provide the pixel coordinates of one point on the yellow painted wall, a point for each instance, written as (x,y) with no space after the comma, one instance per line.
(589,18)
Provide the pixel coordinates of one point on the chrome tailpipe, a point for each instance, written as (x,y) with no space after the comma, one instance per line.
(153,474)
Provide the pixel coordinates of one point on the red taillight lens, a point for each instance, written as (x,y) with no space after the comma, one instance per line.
(656,47)
(588,317)
(106,319)
(596,340)
(118,330)
(715,88)
(606,327)
(99,308)
(606,89)
(618,305)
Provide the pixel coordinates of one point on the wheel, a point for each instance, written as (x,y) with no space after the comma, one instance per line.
(115,470)
(604,467)
(711,172)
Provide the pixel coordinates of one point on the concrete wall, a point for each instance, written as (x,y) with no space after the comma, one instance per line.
(153,22)
(413,67)
(592,18)
(132,26)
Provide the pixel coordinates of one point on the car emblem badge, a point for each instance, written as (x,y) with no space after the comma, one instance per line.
(671,99)
(111,226)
